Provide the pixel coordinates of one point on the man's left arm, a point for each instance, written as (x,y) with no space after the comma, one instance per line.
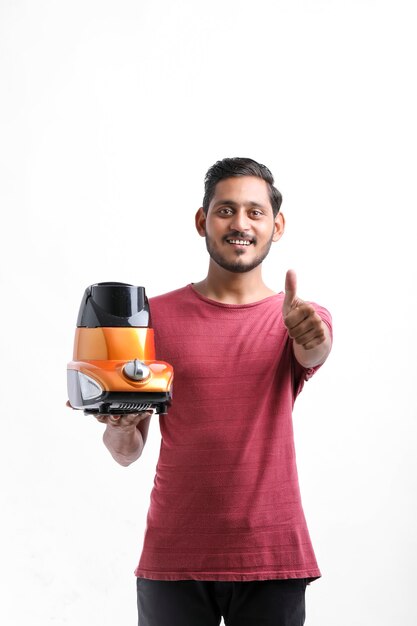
(311,336)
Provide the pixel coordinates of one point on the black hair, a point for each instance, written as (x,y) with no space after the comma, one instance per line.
(239,166)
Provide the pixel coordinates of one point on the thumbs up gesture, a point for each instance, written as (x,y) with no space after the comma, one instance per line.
(303,324)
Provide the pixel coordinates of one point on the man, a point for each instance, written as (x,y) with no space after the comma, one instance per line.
(226,534)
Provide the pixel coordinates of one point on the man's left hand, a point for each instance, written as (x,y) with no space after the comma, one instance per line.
(303,324)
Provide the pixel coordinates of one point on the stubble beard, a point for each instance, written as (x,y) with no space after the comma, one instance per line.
(238,266)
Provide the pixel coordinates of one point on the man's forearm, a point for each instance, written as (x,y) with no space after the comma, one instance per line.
(125,446)
(314,356)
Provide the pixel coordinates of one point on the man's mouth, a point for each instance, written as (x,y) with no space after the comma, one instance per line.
(239,242)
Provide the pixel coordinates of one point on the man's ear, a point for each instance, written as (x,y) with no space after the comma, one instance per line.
(200,222)
(279,227)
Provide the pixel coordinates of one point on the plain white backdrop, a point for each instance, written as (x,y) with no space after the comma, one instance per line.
(110,115)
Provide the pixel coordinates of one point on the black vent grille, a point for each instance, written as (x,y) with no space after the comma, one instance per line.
(131,406)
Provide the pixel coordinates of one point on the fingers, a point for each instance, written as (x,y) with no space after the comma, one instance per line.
(305,326)
(291,284)
(297,315)
(122,420)
(114,419)
(311,339)
(101,418)
(291,300)
(290,290)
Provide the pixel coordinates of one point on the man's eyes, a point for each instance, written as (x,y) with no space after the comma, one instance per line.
(229,211)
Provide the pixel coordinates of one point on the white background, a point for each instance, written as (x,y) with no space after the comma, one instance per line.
(110,115)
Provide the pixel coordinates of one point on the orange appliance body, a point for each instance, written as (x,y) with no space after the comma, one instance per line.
(114,368)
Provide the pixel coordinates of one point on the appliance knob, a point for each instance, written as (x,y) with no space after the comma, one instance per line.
(136,370)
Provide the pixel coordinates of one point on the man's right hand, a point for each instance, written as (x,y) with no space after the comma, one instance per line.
(125,435)
(125,422)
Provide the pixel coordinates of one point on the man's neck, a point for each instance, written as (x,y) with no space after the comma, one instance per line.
(233,287)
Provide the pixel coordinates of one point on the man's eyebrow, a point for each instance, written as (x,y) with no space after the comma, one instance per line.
(232,203)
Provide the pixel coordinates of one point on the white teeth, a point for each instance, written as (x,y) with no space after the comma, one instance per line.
(239,242)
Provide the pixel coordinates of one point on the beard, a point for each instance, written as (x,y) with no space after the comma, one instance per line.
(239,265)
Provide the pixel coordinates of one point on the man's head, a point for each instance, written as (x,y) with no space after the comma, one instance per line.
(240,215)
(239,166)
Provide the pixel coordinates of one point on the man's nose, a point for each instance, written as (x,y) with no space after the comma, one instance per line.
(240,221)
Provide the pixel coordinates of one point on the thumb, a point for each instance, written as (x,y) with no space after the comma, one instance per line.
(290,291)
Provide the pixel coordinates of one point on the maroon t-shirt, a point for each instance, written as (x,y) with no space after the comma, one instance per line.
(226,501)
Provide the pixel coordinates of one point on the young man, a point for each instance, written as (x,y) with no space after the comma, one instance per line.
(226,534)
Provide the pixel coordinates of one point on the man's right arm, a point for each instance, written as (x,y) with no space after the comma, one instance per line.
(125,435)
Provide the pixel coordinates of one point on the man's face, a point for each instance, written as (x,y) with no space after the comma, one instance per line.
(239,227)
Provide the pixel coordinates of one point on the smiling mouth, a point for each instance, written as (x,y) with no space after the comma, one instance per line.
(239,242)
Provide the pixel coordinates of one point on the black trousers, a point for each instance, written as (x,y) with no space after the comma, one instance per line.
(204,603)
